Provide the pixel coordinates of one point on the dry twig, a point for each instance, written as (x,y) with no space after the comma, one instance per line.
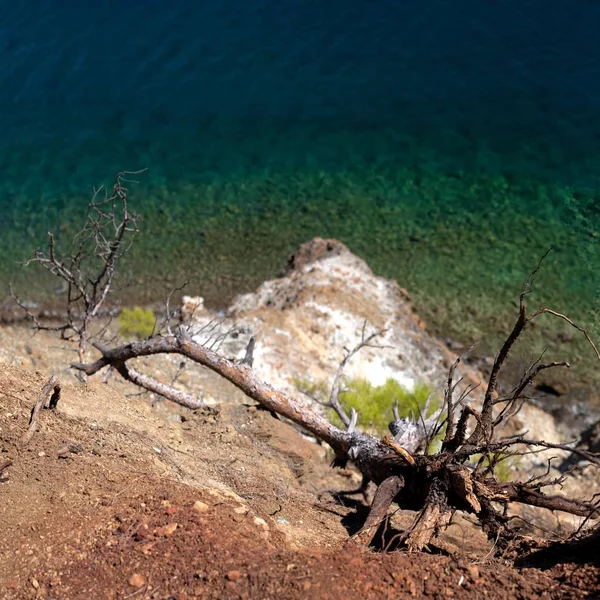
(89,264)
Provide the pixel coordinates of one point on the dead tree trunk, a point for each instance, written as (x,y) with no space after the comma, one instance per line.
(435,485)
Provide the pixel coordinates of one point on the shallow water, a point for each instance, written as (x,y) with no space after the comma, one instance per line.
(448,143)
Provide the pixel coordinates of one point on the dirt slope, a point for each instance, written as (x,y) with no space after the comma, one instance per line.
(225,505)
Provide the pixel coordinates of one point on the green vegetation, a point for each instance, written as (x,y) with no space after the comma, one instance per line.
(136,323)
(374,403)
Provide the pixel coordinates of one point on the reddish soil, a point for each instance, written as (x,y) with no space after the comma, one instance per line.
(228,506)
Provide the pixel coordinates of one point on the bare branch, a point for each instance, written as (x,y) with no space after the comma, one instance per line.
(448,393)
(334,397)
(88,265)
(548,311)
(353,421)
(485,427)
(590,456)
(240,375)
(152,385)
(249,356)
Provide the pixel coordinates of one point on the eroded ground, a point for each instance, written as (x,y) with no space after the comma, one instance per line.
(114,498)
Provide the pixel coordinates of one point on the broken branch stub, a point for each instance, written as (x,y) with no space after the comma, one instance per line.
(51,389)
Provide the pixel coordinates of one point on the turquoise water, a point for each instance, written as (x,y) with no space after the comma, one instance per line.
(448,143)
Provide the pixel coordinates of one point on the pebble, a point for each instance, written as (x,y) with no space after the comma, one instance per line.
(473,571)
(147,548)
(233,575)
(200,507)
(137,580)
(260,522)
(167,529)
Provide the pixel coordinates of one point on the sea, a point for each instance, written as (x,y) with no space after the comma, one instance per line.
(449,144)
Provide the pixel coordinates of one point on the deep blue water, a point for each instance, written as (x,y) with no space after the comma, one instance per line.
(236,91)
(190,89)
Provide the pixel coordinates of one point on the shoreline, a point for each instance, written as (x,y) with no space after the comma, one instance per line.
(569,397)
(462,244)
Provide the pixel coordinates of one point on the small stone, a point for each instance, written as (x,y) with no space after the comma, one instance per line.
(137,580)
(240,510)
(473,571)
(35,583)
(147,548)
(123,527)
(167,530)
(200,507)
(233,575)
(260,522)
(42,453)
(306,586)
(171,510)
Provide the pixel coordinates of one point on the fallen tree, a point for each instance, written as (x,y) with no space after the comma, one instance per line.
(435,485)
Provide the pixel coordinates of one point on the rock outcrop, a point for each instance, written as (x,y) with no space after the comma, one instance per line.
(305,320)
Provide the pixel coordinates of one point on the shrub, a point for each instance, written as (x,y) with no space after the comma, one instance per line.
(136,323)
(374,403)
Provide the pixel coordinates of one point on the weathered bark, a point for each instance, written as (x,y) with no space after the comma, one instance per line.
(521,492)
(384,496)
(435,515)
(241,375)
(152,385)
